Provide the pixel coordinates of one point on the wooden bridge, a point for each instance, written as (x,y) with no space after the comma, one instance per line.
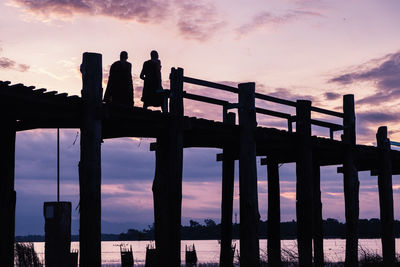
(24,108)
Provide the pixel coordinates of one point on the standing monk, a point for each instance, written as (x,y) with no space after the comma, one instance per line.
(119,87)
(153,93)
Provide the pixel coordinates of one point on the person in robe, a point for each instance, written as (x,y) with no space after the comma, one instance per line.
(153,93)
(119,87)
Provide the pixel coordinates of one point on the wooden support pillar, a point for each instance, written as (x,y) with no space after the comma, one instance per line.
(167,185)
(7,193)
(317,218)
(304,184)
(249,215)
(228,176)
(274,214)
(90,162)
(386,197)
(350,181)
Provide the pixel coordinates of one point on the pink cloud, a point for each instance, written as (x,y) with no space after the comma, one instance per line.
(9,64)
(197,20)
(267,19)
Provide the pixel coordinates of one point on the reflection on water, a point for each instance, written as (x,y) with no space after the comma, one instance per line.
(208,250)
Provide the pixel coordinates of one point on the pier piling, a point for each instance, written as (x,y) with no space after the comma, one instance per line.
(386,197)
(304,182)
(350,181)
(249,215)
(228,172)
(90,162)
(274,214)
(7,193)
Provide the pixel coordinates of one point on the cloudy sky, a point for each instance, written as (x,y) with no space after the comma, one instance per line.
(310,49)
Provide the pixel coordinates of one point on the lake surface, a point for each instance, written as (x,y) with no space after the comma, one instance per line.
(208,250)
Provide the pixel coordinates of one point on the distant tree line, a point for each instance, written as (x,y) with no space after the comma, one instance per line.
(332,228)
(210,230)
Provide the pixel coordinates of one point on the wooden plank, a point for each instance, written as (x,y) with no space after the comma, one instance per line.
(274,214)
(275,100)
(304,182)
(90,162)
(205,99)
(333,126)
(228,175)
(273,113)
(7,193)
(350,181)
(317,218)
(210,84)
(327,112)
(386,197)
(249,215)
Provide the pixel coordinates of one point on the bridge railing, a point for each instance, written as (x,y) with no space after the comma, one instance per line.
(226,105)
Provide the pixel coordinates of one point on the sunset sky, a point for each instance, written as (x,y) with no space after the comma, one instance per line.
(293,49)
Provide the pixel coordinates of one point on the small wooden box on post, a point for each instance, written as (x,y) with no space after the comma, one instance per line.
(90,162)
(350,181)
(304,182)
(228,175)
(167,185)
(57,234)
(249,215)
(7,192)
(386,197)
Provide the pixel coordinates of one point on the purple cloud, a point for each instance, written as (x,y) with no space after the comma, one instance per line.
(332,96)
(197,20)
(9,64)
(378,117)
(385,73)
(141,11)
(265,19)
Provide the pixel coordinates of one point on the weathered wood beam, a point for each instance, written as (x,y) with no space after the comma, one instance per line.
(90,162)
(210,84)
(350,181)
(386,197)
(7,193)
(304,182)
(249,215)
(317,218)
(274,214)
(228,175)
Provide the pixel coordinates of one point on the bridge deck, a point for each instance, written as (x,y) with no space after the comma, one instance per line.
(37,108)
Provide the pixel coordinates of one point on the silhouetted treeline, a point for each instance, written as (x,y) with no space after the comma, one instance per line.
(210,230)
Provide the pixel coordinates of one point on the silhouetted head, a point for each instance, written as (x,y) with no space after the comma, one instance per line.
(123,56)
(154,54)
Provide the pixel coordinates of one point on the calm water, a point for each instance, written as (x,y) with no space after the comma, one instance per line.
(208,250)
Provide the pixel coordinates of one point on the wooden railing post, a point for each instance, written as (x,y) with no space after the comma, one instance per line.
(317,218)
(90,162)
(228,175)
(167,186)
(274,214)
(304,184)
(7,193)
(386,197)
(249,215)
(350,181)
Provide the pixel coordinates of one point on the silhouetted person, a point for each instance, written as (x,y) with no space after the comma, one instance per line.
(119,87)
(153,93)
